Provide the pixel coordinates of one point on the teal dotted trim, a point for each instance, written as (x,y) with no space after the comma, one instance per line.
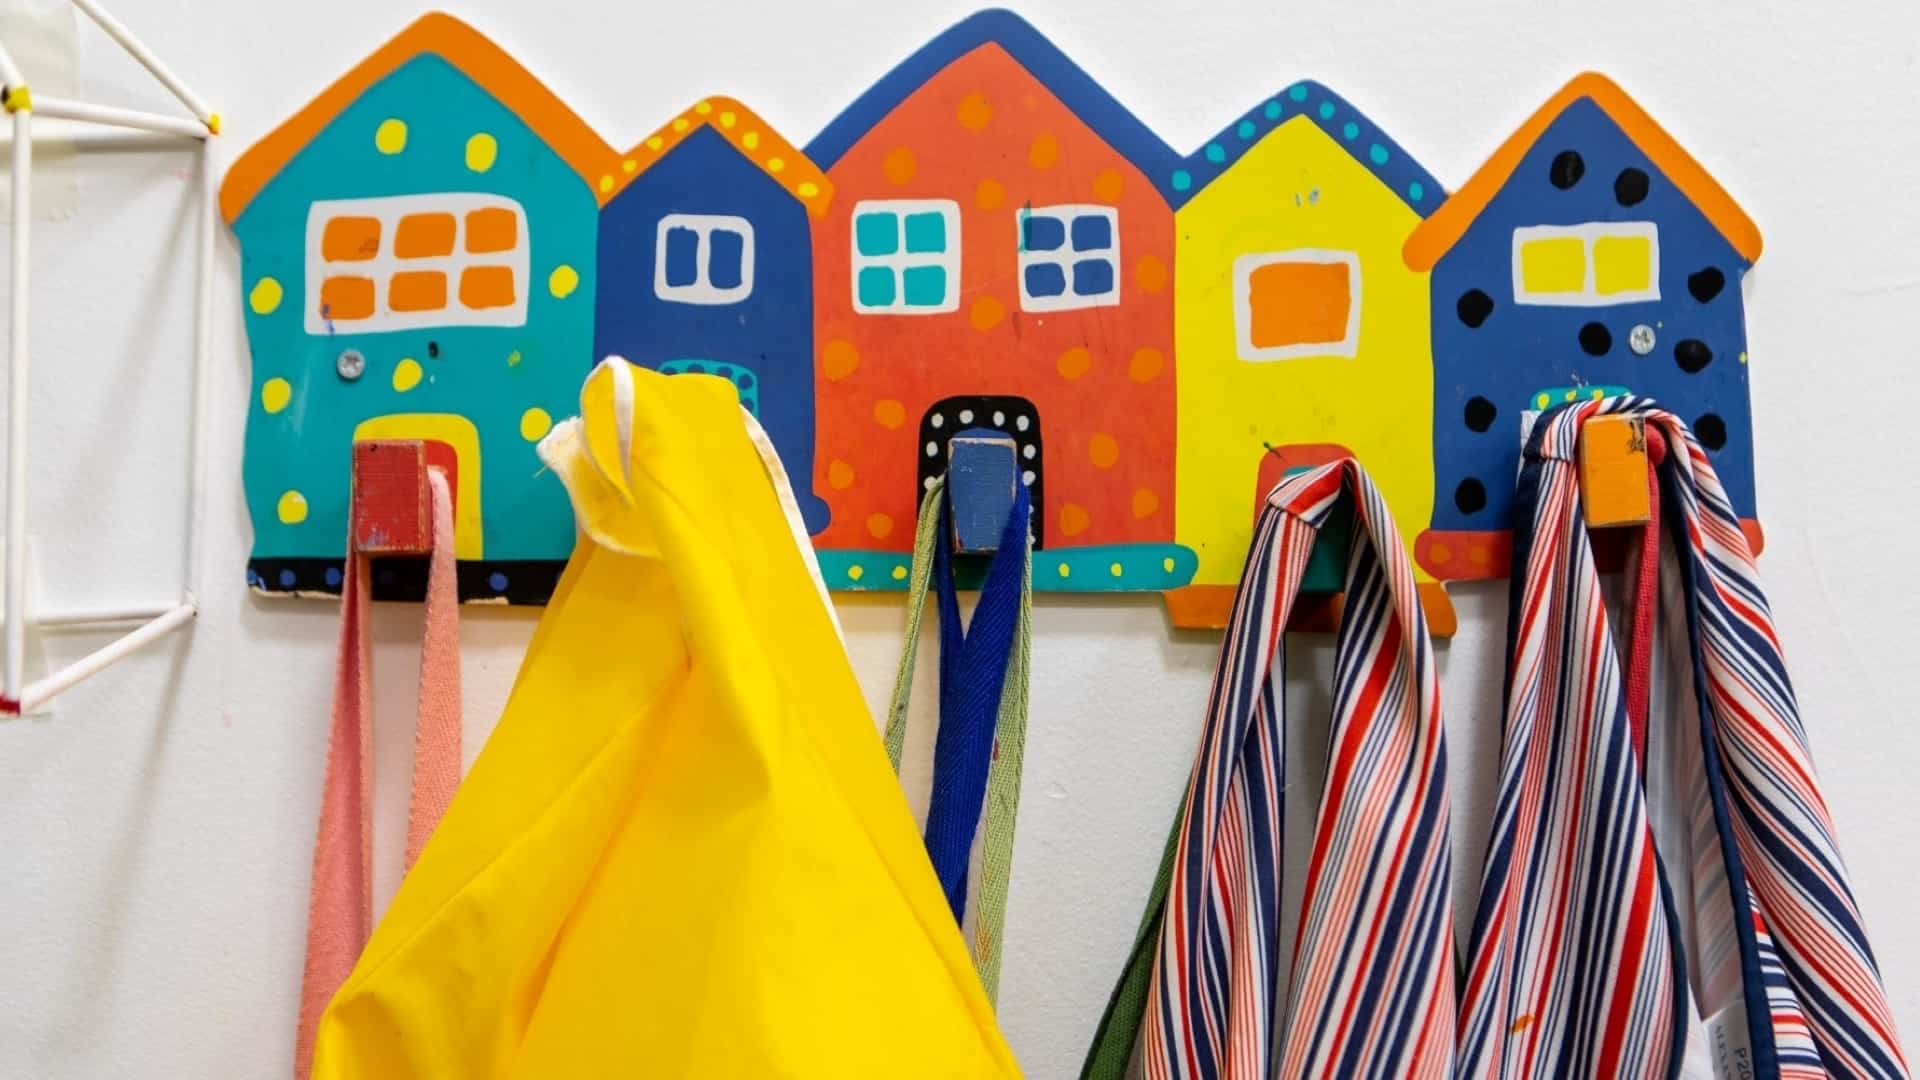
(1107,568)
(1548,397)
(744,381)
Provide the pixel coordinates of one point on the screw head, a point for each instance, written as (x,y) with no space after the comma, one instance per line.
(1640,339)
(351,364)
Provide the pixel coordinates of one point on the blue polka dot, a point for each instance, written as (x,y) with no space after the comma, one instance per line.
(287,579)
(1326,110)
(1416,191)
(744,380)
(695,369)
(1245,130)
(497,581)
(333,577)
(1378,153)
(1216,153)
(1351,131)
(1273,110)
(1182,180)
(1298,93)
(253,578)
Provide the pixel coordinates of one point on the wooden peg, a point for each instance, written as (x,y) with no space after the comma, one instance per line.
(389,509)
(982,471)
(1613,472)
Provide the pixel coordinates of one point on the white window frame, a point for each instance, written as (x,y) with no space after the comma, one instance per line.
(900,261)
(389,209)
(1065,256)
(1243,267)
(1587,233)
(703,291)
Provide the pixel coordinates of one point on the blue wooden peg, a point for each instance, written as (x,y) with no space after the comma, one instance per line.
(981,473)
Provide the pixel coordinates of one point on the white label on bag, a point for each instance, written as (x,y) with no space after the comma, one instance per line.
(1728,1043)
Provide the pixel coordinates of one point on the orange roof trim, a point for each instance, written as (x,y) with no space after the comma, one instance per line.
(457,43)
(740,126)
(1437,235)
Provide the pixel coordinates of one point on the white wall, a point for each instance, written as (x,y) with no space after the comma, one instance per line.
(156,826)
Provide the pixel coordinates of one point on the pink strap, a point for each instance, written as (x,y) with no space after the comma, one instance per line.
(340,911)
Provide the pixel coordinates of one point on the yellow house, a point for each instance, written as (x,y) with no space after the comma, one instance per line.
(1299,331)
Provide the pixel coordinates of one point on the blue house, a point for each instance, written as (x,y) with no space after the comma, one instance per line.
(706,265)
(1591,254)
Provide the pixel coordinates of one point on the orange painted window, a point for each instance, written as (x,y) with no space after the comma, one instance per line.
(350,239)
(1298,304)
(492,229)
(346,298)
(486,286)
(417,290)
(424,236)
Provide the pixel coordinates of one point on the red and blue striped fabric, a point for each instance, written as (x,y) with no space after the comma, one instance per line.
(1600,907)
(1372,980)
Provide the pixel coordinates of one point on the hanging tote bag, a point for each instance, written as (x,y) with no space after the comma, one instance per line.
(1372,982)
(681,853)
(1636,849)
(981,744)
(340,908)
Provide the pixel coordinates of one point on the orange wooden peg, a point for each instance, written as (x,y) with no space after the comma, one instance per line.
(1613,472)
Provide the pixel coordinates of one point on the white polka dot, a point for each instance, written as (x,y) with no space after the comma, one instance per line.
(938,420)
(999,419)
(1020,422)
(927,484)
(966,416)
(1027,478)
(933,449)
(1027,451)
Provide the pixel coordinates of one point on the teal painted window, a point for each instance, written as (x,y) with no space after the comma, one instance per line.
(906,256)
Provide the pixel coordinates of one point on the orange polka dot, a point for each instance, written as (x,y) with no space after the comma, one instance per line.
(1146,365)
(974,112)
(889,413)
(986,313)
(1145,503)
(989,194)
(1478,555)
(1107,185)
(1150,273)
(880,525)
(1103,450)
(1440,553)
(900,165)
(839,475)
(1044,152)
(1074,519)
(1075,362)
(838,359)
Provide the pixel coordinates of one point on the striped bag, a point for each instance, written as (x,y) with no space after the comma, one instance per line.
(1372,980)
(1631,862)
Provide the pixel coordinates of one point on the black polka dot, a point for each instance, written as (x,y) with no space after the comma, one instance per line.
(1711,431)
(1470,496)
(433,350)
(1629,187)
(1567,169)
(1595,339)
(1706,284)
(1692,355)
(1481,413)
(1474,307)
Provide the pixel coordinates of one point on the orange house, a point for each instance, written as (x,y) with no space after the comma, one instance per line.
(996,257)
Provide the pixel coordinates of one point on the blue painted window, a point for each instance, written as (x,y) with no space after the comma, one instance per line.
(703,259)
(682,255)
(1069,257)
(906,256)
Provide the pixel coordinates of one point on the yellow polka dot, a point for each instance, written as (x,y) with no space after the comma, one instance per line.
(989,194)
(628,165)
(1044,152)
(274,394)
(889,413)
(1065,570)
(899,165)
(563,281)
(1150,274)
(681,123)
(655,142)
(986,313)
(481,150)
(856,571)
(1541,401)
(750,140)
(1145,502)
(838,359)
(1441,553)
(1167,564)
(775,164)
(703,108)
(265,297)
(1074,362)
(1108,185)
(1103,450)
(535,423)
(727,119)
(1146,365)
(293,508)
(899,573)
(839,475)
(406,374)
(880,525)
(513,358)
(606,183)
(807,189)
(974,112)
(1598,393)
(1569,395)
(1114,569)
(1074,519)
(391,136)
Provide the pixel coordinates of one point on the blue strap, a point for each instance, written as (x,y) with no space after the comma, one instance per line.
(973,671)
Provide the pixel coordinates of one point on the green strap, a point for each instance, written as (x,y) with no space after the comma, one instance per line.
(1112,1049)
(1010,739)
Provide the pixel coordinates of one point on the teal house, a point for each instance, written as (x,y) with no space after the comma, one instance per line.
(417,262)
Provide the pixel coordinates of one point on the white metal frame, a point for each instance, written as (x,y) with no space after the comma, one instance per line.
(119,127)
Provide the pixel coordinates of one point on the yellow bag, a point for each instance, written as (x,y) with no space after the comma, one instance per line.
(682,853)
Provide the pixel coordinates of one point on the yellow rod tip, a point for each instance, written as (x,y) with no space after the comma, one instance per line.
(213,123)
(19,98)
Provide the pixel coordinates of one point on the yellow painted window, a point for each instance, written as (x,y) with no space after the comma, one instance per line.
(1622,264)
(1555,264)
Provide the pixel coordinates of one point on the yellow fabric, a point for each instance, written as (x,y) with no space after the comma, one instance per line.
(682,853)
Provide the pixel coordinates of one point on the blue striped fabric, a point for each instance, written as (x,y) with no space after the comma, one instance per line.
(1372,980)
(1597,915)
